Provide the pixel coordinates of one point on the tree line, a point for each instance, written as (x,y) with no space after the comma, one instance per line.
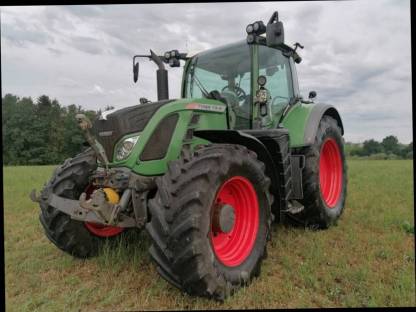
(44,132)
(388,148)
(40,132)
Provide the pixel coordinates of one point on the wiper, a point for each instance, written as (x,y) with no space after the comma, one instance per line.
(200,86)
(198,82)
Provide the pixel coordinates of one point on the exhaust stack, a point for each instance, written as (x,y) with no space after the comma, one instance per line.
(162,78)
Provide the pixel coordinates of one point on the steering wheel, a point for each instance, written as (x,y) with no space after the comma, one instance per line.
(241,94)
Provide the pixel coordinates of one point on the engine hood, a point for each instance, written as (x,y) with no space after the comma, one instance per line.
(113,126)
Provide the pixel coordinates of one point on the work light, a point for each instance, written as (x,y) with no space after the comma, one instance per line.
(250,38)
(261,80)
(259,27)
(249,28)
(173,62)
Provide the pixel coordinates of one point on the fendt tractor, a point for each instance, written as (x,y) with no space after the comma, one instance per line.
(206,174)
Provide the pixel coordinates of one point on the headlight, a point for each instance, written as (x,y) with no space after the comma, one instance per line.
(125,147)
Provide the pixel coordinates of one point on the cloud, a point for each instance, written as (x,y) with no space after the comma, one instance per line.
(21,35)
(97,90)
(87,44)
(357,53)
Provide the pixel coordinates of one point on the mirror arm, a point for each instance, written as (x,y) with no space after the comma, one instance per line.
(136,56)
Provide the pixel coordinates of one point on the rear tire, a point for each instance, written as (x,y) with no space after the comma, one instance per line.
(324,178)
(187,247)
(69,180)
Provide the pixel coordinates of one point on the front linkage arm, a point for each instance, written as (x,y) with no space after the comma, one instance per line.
(85,124)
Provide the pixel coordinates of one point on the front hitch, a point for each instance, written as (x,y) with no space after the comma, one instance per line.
(96,209)
(99,204)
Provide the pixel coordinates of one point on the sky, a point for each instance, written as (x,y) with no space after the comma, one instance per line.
(357,54)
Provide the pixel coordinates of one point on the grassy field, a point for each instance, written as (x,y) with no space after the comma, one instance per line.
(367,260)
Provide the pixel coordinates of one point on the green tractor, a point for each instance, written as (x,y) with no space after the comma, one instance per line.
(206,174)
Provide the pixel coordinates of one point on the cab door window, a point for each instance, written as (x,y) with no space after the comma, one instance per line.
(275,66)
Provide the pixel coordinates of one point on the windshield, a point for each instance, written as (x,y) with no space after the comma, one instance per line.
(228,71)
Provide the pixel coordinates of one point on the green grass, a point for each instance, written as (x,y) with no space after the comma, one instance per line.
(367,260)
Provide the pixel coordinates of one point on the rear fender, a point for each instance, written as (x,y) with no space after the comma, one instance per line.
(315,117)
(302,121)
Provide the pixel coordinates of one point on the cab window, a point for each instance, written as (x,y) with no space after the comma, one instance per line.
(275,66)
(228,71)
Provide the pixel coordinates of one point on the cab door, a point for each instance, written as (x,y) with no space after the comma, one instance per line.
(276,67)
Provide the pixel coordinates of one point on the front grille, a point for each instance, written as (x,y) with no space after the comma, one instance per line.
(124,121)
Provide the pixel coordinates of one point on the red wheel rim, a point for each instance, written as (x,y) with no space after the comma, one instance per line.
(98,229)
(330,172)
(234,247)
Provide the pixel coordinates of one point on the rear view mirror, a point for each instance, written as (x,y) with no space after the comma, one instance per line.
(274,31)
(135,71)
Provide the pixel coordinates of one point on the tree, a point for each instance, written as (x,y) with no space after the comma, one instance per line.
(390,144)
(40,133)
(371,147)
(406,151)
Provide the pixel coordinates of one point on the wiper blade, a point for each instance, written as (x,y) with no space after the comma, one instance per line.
(198,82)
(200,86)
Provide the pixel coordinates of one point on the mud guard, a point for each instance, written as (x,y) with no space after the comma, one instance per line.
(318,111)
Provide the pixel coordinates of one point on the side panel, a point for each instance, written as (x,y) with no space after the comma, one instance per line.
(303,119)
(295,122)
(206,120)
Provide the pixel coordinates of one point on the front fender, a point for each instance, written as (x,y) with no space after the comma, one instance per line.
(302,121)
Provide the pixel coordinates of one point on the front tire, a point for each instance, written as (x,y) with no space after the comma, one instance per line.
(69,180)
(324,178)
(192,249)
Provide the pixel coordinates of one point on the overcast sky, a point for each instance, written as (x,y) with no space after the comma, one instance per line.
(357,54)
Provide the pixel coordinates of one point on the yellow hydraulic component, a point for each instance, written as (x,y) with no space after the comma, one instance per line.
(112,195)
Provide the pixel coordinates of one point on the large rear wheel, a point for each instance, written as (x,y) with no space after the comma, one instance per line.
(210,220)
(324,178)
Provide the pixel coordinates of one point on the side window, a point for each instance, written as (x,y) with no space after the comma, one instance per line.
(275,66)
(242,110)
(295,78)
(211,81)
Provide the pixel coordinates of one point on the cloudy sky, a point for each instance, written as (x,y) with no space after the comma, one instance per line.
(357,54)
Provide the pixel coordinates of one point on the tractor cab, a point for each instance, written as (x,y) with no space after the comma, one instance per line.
(235,73)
